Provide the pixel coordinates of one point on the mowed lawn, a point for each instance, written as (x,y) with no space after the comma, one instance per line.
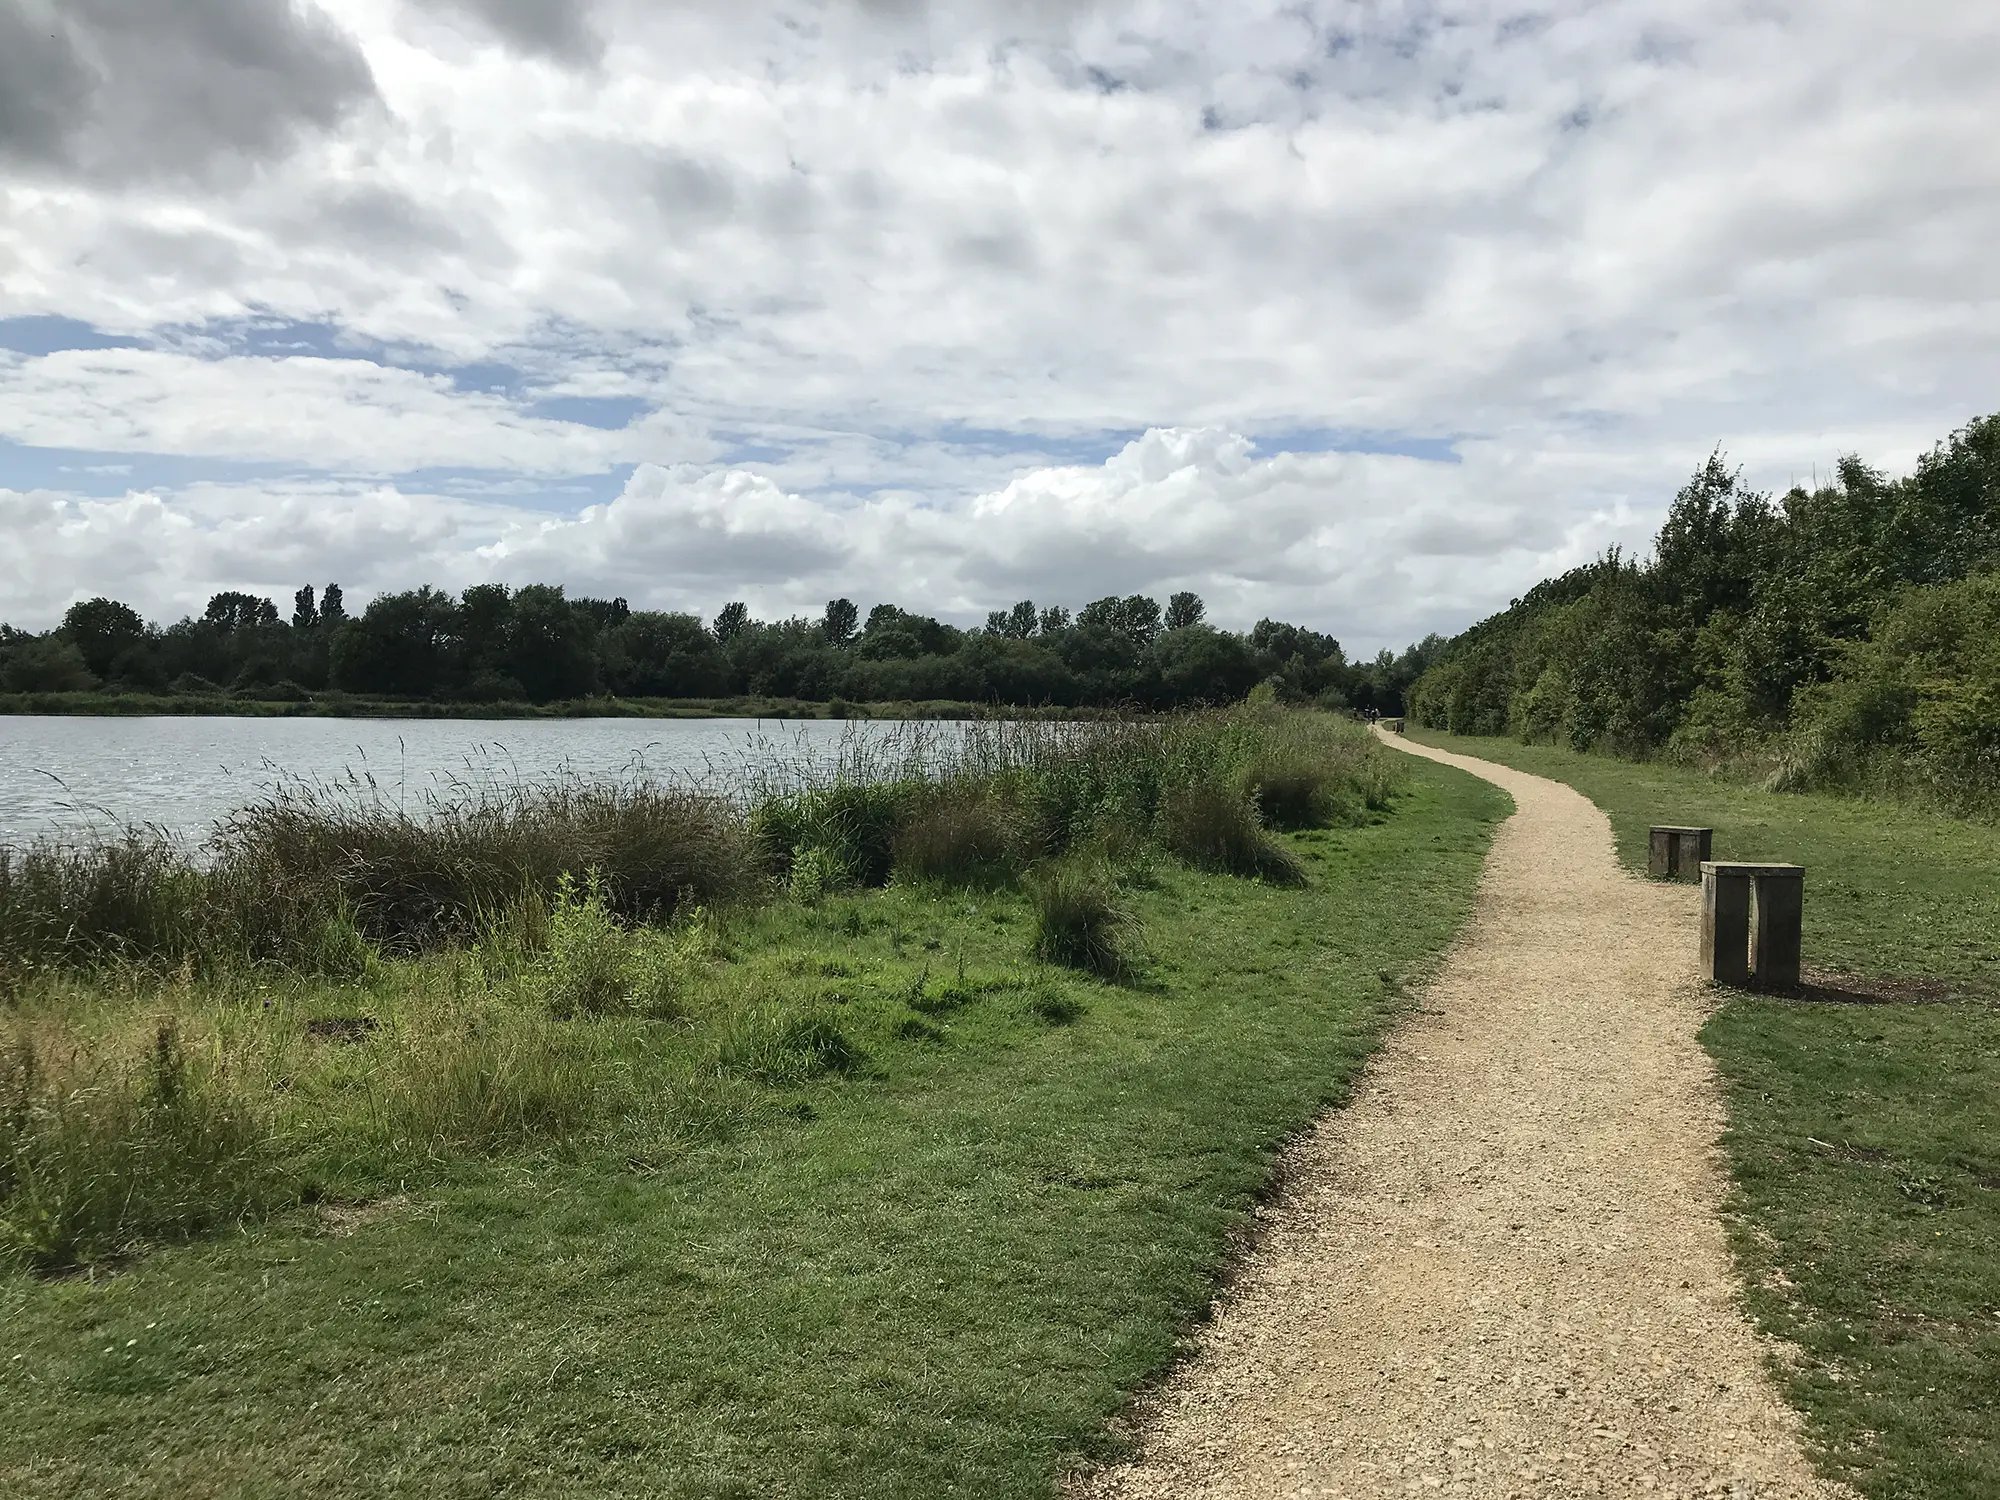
(939,1273)
(1865,1115)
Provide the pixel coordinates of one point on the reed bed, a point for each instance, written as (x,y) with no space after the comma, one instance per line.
(336,990)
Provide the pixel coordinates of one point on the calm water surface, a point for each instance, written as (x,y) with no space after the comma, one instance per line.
(69,774)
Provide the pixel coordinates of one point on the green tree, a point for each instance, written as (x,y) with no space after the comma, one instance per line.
(1200,664)
(838,624)
(231,610)
(45,664)
(485,626)
(101,630)
(548,646)
(1184,609)
(401,645)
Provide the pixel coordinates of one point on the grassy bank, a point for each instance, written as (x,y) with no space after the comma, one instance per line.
(836,1190)
(334,705)
(1865,1114)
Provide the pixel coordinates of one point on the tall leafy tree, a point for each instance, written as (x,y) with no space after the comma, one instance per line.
(548,645)
(839,622)
(1184,609)
(101,630)
(231,610)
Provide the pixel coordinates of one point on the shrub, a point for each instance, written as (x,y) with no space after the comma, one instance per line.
(98,1156)
(584,965)
(590,965)
(1079,921)
(341,952)
(1215,828)
(854,822)
(44,665)
(816,874)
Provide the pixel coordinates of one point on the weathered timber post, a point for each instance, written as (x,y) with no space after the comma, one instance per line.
(1678,852)
(1725,924)
(1730,953)
(1774,943)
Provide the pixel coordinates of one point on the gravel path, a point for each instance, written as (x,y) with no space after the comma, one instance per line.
(1500,1270)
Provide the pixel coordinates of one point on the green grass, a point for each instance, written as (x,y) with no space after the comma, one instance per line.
(1865,1132)
(891,1211)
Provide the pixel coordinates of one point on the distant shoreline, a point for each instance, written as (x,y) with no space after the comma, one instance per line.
(348,706)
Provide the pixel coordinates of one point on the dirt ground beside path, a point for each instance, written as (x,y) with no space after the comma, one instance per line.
(1500,1270)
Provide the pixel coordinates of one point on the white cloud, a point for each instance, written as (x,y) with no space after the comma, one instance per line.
(935,246)
(341,414)
(1371,545)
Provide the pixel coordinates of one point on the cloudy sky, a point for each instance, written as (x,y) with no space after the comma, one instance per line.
(1365,315)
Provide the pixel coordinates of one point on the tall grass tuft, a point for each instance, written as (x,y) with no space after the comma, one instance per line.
(99,1156)
(136,895)
(495,1081)
(1079,921)
(774,1043)
(416,882)
(1292,790)
(960,837)
(1216,828)
(850,824)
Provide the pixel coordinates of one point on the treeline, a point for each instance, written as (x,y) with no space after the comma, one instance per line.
(494,645)
(1847,636)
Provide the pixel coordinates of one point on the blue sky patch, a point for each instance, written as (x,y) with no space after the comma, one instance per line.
(47,333)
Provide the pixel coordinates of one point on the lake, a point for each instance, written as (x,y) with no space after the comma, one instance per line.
(73,774)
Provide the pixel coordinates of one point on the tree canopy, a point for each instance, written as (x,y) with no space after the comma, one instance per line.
(1845,633)
(537,644)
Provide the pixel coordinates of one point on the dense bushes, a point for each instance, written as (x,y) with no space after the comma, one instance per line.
(1842,637)
(1914,707)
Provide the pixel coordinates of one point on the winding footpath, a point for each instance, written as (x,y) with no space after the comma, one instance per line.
(1501,1270)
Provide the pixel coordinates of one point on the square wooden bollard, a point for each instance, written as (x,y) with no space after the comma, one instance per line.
(1731,952)
(1678,853)
(1725,925)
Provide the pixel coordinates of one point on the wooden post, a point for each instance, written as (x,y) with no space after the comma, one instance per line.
(1725,924)
(1774,950)
(1693,848)
(1678,852)
(1728,954)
